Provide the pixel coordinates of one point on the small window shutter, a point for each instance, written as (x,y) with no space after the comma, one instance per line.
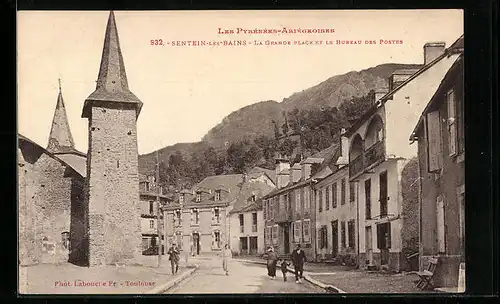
(452,125)
(213,215)
(434,141)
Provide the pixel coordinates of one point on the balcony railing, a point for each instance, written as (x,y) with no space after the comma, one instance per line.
(375,153)
(356,166)
(283,216)
(369,157)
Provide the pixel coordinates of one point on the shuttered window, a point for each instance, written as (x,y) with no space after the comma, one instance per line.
(434,149)
(334,195)
(297,227)
(452,124)
(306,231)
(327,198)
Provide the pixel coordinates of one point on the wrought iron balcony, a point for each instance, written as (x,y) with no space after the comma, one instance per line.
(371,156)
(375,153)
(283,216)
(356,166)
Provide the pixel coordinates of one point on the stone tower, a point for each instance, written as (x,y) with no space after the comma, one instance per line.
(60,138)
(112,189)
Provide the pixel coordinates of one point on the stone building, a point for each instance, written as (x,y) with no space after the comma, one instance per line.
(112,188)
(289,209)
(380,163)
(198,219)
(149,216)
(246,228)
(441,156)
(336,209)
(85,208)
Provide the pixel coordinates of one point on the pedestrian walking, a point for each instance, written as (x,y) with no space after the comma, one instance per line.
(226,256)
(272,260)
(173,256)
(284,269)
(298,260)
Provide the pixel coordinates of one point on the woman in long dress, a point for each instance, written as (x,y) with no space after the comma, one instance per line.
(226,256)
(272,260)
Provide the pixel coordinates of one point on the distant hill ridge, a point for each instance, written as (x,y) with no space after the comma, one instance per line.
(256,119)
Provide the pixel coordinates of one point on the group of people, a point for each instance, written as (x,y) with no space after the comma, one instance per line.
(298,258)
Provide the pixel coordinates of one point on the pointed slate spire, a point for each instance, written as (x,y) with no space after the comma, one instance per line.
(112,84)
(60,139)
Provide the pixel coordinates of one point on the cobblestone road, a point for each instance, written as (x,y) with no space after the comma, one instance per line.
(242,278)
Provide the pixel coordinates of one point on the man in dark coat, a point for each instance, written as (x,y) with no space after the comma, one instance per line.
(298,260)
(272,260)
(173,253)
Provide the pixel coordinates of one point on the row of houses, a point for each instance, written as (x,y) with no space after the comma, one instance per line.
(372,199)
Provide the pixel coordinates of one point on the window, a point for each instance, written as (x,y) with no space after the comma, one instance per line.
(195,216)
(151,207)
(342,192)
(352,194)
(217,195)
(275,234)
(145,243)
(146,186)
(254,222)
(242,223)
(327,198)
(320,200)
(264,210)
(306,231)
(434,148)
(297,228)
(198,197)
(383,193)
(342,234)
(351,234)
(181,198)
(65,240)
(297,201)
(216,243)
(322,237)
(151,224)
(452,125)
(307,205)
(216,215)
(252,198)
(334,195)
(440,225)
(368,208)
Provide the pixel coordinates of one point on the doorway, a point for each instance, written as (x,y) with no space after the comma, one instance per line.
(196,243)
(253,245)
(286,238)
(384,241)
(335,238)
(243,245)
(368,245)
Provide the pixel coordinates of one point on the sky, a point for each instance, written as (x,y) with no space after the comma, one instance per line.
(188,90)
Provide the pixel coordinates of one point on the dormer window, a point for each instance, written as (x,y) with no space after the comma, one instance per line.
(252,198)
(198,197)
(217,195)
(181,198)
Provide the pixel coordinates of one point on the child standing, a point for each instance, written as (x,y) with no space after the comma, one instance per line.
(284,265)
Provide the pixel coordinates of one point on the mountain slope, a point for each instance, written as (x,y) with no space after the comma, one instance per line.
(256,119)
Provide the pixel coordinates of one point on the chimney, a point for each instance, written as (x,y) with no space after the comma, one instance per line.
(283,178)
(433,50)
(282,163)
(379,93)
(296,173)
(344,148)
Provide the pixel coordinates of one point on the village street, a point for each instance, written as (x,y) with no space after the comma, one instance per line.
(243,278)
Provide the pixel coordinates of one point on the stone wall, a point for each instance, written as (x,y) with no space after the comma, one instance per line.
(113,186)
(48,188)
(410,210)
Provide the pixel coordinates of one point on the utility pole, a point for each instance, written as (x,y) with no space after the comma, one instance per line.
(158,208)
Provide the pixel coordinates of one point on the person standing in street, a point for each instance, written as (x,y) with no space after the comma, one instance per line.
(272,260)
(173,256)
(226,256)
(298,260)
